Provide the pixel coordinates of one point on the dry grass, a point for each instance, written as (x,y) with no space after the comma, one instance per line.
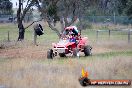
(28,73)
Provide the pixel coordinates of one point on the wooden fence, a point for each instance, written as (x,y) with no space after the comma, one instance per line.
(129,31)
(8,35)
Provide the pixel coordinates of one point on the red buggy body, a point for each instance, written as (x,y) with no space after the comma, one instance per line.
(70,42)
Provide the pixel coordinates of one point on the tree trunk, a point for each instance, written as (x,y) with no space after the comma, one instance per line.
(19,21)
(21,31)
(62,24)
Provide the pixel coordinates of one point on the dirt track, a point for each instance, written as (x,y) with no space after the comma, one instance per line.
(40,51)
(30,52)
(36,52)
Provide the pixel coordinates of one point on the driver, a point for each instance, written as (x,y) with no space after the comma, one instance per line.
(71,33)
(75,30)
(74,34)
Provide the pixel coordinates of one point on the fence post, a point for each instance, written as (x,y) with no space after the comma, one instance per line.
(8,36)
(129,33)
(109,34)
(97,33)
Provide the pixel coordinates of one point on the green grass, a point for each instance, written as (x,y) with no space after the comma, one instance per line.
(51,35)
(13,31)
(85,60)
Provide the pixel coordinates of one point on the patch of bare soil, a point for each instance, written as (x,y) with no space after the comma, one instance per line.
(40,51)
(24,52)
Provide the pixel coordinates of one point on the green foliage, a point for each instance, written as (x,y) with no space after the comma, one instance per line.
(125,8)
(52,12)
(6,7)
(121,6)
(128,9)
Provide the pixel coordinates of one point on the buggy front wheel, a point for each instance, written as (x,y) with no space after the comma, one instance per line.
(50,54)
(87,50)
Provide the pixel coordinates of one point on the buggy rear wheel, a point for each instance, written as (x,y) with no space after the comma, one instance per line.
(50,54)
(87,50)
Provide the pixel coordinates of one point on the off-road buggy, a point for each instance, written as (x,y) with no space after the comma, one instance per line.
(70,42)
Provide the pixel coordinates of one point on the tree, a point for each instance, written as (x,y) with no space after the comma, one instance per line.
(128,9)
(125,8)
(6,7)
(121,6)
(109,7)
(64,11)
(21,12)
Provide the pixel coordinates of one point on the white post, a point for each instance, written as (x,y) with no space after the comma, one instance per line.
(35,38)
